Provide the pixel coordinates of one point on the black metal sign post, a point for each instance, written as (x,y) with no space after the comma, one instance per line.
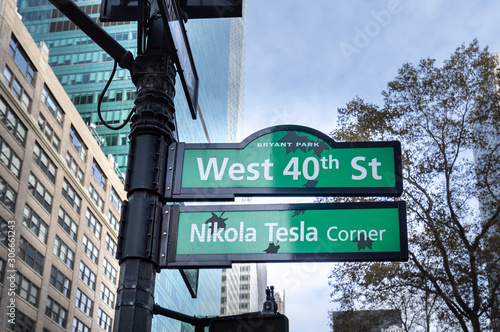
(152,131)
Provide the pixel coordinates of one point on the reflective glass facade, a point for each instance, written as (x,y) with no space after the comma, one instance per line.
(83,69)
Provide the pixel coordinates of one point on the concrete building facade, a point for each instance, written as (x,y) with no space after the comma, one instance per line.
(60,199)
(243,288)
(83,69)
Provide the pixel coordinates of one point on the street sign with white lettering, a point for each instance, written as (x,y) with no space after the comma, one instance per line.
(216,236)
(284,161)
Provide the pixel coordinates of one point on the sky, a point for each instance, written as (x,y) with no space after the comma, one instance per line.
(306,59)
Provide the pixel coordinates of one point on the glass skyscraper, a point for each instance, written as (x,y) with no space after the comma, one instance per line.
(83,69)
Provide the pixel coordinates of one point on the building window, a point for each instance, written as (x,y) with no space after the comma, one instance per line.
(7,195)
(117,203)
(22,323)
(2,264)
(7,76)
(4,232)
(78,326)
(25,101)
(107,296)
(110,245)
(244,268)
(83,302)
(16,88)
(35,223)
(94,225)
(113,221)
(49,101)
(90,249)
(67,223)
(12,122)
(44,162)
(56,312)
(99,175)
(243,305)
(244,296)
(26,290)
(244,286)
(73,166)
(71,196)
(95,197)
(62,251)
(109,271)
(49,132)
(104,320)
(9,158)
(30,256)
(40,193)
(60,282)
(87,275)
(244,278)
(22,61)
(77,143)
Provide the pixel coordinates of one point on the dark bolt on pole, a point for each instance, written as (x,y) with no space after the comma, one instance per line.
(152,130)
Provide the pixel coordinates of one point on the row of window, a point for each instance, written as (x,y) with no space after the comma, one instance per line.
(74,168)
(35,224)
(84,40)
(7,195)
(16,88)
(35,260)
(97,77)
(67,25)
(96,198)
(50,102)
(12,122)
(91,98)
(28,70)
(18,91)
(9,158)
(22,61)
(49,132)
(58,314)
(41,158)
(41,194)
(77,143)
(69,226)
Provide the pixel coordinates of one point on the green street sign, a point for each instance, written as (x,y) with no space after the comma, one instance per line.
(283,161)
(216,236)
